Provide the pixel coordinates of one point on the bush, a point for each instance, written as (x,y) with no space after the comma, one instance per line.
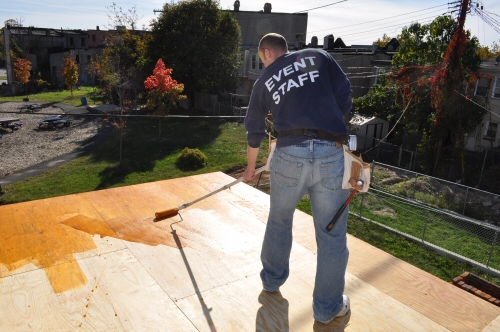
(191,159)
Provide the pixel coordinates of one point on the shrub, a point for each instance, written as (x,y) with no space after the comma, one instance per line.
(191,159)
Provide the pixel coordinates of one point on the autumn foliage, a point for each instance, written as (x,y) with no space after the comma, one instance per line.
(22,68)
(70,72)
(163,91)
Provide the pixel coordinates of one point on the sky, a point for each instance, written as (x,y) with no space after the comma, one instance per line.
(355,21)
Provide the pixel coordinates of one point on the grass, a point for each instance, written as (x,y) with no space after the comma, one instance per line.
(411,252)
(3,77)
(63,96)
(145,158)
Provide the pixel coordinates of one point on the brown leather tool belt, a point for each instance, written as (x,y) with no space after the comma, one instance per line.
(342,139)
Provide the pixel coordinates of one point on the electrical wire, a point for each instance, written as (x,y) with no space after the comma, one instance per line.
(382,19)
(472,101)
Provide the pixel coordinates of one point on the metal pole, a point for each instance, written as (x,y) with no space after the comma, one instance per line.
(482,168)
(465,201)
(400,153)
(425,226)
(492,247)
(159,127)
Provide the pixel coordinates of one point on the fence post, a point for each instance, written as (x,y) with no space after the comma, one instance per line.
(378,150)
(465,201)
(482,168)
(400,154)
(492,247)
(415,160)
(425,226)
(411,160)
(159,127)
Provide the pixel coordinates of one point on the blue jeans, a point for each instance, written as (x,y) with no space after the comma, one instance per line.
(315,167)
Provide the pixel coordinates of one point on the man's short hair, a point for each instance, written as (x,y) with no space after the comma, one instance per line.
(275,42)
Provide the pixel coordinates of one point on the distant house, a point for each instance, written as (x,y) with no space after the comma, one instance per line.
(46,48)
(254,25)
(486,135)
(38,44)
(365,65)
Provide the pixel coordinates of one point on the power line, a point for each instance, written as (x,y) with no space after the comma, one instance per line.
(307,10)
(382,19)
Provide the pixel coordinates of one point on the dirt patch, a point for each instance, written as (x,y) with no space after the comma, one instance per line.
(386,211)
(261,182)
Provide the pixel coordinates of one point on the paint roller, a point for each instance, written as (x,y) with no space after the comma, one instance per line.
(174,211)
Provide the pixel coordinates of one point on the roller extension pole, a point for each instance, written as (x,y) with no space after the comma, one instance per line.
(174,211)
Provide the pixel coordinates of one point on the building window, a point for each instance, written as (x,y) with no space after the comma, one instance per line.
(482,86)
(71,41)
(254,61)
(83,42)
(496,88)
(93,38)
(491,131)
(261,64)
(77,60)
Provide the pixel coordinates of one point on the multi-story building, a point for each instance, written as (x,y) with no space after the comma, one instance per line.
(486,135)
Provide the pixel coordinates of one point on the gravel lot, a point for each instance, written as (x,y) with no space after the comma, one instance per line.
(31,145)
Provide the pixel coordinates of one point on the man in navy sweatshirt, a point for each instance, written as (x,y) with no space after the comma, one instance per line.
(308,95)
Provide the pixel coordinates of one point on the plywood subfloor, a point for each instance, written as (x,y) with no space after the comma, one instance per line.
(98,261)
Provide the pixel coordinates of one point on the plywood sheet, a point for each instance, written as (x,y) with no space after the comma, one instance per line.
(101,260)
(119,296)
(413,287)
(291,309)
(493,326)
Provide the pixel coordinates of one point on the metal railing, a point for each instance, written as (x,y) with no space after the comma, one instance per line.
(450,218)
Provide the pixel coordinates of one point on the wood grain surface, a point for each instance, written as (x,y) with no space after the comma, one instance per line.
(99,261)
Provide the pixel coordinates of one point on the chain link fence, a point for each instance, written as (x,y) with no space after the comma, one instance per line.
(450,218)
(482,169)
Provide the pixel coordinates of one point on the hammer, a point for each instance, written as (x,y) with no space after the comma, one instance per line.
(332,223)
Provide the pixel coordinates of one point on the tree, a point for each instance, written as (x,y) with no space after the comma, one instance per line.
(117,17)
(433,69)
(122,59)
(163,91)
(486,53)
(70,72)
(200,42)
(427,44)
(382,42)
(22,70)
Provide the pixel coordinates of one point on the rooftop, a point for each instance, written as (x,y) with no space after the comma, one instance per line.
(99,261)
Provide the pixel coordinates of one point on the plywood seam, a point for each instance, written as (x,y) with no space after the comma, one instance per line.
(159,285)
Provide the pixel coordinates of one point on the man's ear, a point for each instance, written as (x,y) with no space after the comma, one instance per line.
(267,53)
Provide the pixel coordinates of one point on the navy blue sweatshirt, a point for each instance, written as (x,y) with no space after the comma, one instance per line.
(303,90)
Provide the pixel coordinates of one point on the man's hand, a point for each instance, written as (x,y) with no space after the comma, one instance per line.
(249,174)
(252,160)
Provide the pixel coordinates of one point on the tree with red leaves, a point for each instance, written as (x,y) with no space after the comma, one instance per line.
(163,91)
(436,66)
(22,70)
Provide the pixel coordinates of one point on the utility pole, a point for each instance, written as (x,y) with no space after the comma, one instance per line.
(463,13)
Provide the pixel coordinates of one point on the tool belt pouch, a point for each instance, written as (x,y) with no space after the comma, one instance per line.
(355,169)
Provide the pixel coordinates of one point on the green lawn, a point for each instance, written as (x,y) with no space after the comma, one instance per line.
(63,96)
(412,252)
(145,158)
